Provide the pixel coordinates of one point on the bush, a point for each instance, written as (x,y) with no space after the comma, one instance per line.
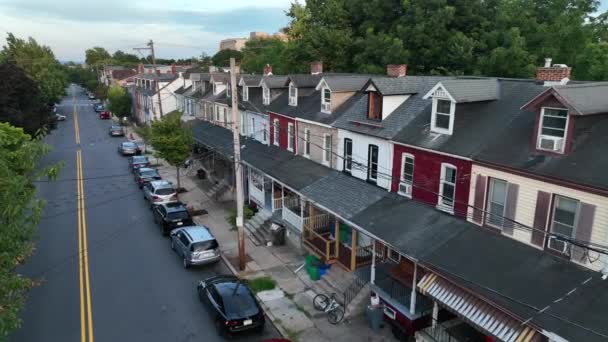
(247,213)
(261,284)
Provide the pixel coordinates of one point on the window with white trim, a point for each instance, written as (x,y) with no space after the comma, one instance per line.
(348,154)
(407,175)
(447,187)
(290,136)
(225,117)
(245,93)
(326,100)
(264,133)
(552,129)
(497,202)
(266,95)
(442,119)
(229,90)
(307,142)
(293,95)
(275,131)
(372,163)
(326,149)
(563,222)
(214,89)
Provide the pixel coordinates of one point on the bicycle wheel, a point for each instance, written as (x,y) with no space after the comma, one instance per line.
(320,302)
(336,315)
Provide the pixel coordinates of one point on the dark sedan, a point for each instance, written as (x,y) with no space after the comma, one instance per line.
(98,107)
(137,162)
(128,148)
(172,215)
(231,304)
(144,174)
(117,131)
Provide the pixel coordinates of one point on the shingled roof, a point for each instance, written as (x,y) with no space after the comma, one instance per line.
(340,83)
(582,99)
(462,90)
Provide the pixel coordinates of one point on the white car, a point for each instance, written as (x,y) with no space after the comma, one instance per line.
(60,117)
(159,192)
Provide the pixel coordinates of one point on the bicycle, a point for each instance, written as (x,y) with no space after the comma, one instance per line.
(330,306)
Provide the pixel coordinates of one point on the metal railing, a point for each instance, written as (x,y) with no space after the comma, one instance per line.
(353,290)
(439,333)
(363,255)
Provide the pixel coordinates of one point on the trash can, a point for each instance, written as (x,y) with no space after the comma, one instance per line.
(375,315)
(277,232)
(201,174)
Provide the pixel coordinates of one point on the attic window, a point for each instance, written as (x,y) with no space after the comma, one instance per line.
(552,129)
(293,95)
(374,106)
(442,120)
(326,101)
(265,95)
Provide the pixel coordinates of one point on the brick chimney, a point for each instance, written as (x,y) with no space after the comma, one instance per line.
(173,69)
(552,73)
(396,70)
(316,68)
(267,70)
(140,68)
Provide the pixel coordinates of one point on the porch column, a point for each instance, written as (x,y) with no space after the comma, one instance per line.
(302,209)
(311,221)
(413,295)
(272,195)
(372,277)
(283,196)
(353,251)
(337,236)
(435,314)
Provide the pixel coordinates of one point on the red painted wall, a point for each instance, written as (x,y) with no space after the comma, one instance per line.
(283,121)
(427,173)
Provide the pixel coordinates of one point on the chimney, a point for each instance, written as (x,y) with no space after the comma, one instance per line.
(553,74)
(267,70)
(316,68)
(157,72)
(396,70)
(173,69)
(140,68)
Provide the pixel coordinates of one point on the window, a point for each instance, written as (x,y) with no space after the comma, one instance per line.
(552,132)
(276,128)
(326,149)
(290,136)
(447,187)
(266,95)
(497,202)
(348,155)
(228,90)
(252,132)
(407,175)
(293,95)
(326,101)
(307,142)
(225,117)
(214,89)
(563,223)
(245,93)
(443,116)
(372,163)
(264,133)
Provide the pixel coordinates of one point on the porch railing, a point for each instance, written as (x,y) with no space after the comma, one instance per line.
(319,222)
(363,255)
(438,332)
(291,217)
(320,244)
(277,203)
(256,193)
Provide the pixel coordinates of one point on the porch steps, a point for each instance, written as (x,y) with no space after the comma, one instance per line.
(259,228)
(342,281)
(216,191)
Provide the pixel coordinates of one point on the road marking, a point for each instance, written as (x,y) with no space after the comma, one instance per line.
(86,315)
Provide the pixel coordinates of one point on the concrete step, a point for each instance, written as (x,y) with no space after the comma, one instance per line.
(265,239)
(359,303)
(338,278)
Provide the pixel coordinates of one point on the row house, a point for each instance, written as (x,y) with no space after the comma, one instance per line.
(254,121)
(146,99)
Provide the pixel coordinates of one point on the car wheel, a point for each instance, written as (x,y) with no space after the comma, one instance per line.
(260,330)
(185,263)
(221,331)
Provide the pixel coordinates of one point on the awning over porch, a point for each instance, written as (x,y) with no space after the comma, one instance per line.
(475,310)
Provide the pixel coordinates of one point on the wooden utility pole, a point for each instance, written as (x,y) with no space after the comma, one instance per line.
(160,103)
(238,170)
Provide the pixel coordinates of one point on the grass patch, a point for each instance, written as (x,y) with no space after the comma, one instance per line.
(301,308)
(289,295)
(293,335)
(261,284)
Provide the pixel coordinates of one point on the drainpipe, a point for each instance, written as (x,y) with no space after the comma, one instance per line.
(372,277)
(413,295)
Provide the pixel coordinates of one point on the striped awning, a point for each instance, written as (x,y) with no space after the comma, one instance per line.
(476,311)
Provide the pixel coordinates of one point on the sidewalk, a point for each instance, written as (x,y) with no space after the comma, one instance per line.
(289,306)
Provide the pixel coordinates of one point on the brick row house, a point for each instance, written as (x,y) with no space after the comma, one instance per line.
(390,178)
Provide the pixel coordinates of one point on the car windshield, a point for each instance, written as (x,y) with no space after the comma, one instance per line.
(239,304)
(129,145)
(178,215)
(204,245)
(140,159)
(149,173)
(165,191)
(116,127)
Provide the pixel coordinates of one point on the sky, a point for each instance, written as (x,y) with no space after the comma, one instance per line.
(179,28)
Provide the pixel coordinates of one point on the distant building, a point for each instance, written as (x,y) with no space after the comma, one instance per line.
(233,44)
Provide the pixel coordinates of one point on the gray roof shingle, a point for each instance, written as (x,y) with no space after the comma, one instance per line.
(251,80)
(273,81)
(472,90)
(303,80)
(588,98)
(340,83)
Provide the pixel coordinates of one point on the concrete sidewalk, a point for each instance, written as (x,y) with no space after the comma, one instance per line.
(289,306)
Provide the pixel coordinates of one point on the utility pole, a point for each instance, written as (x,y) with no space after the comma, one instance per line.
(238,170)
(151,48)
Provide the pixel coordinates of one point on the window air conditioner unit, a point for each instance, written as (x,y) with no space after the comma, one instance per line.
(559,245)
(551,143)
(405,189)
(325,107)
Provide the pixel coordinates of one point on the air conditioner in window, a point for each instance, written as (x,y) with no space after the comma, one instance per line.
(405,189)
(559,245)
(326,107)
(551,143)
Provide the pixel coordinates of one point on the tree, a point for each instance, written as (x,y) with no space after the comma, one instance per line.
(171,141)
(222,58)
(20,213)
(259,52)
(124,59)
(96,56)
(119,101)
(81,76)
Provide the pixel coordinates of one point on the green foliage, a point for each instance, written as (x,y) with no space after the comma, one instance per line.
(20,213)
(82,76)
(119,101)
(261,284)
(259,52)
(125,59)
(39,63)
(171,141)
(96,56)
(222,58)
(247,214)
(100,91)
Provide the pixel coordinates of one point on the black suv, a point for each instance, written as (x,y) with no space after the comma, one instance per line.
(231,304)
(171,215)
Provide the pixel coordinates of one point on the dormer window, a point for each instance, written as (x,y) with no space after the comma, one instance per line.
(442,120)
(245,93)
(266,96)
(228,91)
(552,129)
(293,95)
(326,101)
(214,89)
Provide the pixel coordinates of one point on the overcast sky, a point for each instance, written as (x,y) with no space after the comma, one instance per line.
(179,28)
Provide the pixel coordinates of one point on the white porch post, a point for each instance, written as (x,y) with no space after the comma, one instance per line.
(413,295)
(372,277)
(272,196)
(301,208)
(435,314)
(283,196)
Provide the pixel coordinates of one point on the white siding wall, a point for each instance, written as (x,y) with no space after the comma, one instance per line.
(254,126)
(360,148)
(390,103)
(526,205)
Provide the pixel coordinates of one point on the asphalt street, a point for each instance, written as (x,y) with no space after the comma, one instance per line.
(137,287)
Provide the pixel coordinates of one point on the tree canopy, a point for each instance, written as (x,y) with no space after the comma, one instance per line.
(222,58)
(171,140)
(259,52)
(119,101)
(96,56)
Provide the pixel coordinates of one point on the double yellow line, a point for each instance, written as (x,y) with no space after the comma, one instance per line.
(86,316)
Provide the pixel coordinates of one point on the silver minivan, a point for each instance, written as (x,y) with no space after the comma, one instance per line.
(159,192)
(195,245)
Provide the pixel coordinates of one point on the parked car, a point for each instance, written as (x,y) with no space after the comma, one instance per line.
(60,117)
(231,304)
(170,216)
(159,192)
(99,107)
(136,162)
(141,145)
(105,115)
(117,131)
(127,148)
(195,245)
(144,174)
(91,97)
